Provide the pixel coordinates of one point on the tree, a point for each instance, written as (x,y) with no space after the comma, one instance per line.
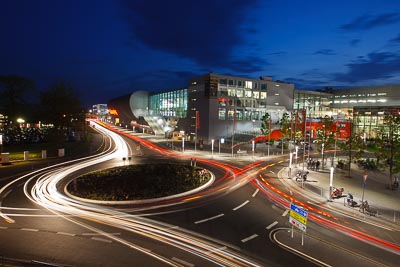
(14,96)
(266,128)
(284,127)
(325,136)
(266,124)
(61,106)
(353,143)
(389,147)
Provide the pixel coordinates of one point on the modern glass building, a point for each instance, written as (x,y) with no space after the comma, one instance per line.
(215,106)
(169,104)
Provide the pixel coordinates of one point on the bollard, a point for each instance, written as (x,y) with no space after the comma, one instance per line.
(61,152)
(44,154)
(5,158)
(26,155)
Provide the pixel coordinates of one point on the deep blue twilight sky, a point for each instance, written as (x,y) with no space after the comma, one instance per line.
(108,48)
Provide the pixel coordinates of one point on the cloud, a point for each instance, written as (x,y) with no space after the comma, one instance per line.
(377,65)
(395,40)
(279,53)
(355,42)
(206,31)
(326,52)
(366,22)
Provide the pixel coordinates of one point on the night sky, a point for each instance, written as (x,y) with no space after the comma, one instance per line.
(109,48)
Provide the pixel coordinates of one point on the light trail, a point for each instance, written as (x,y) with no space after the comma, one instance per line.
(41,189)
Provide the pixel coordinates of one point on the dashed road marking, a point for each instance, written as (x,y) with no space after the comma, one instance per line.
(209,219)
(64,233)
(185,263)
(285,213)
(255,192)
(241,205)
(3,227)
(30,229)
(272,225)
(249,238)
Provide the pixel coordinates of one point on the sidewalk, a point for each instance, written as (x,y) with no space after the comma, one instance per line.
(386,202)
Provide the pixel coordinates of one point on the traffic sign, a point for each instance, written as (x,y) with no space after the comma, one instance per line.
(296,223)
(298,210)
(298,217)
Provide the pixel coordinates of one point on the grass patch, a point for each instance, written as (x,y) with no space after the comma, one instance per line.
(135,182)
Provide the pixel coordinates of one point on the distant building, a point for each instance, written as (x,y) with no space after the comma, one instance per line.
(222,103)
(215,106)
(100,109)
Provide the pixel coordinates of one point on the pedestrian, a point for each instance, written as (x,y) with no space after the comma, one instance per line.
(317,165)
(396,182)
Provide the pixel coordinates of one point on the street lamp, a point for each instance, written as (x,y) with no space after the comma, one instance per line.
(212,147)
(20,121)
(183,144)
(331,184)
(290,165)
(297,150)
(252,148)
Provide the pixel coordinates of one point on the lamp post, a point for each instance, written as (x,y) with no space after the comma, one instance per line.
(212,147)
(252,147)
(297,150)
(365,176)
(331,184)
(183,143)
(290,165)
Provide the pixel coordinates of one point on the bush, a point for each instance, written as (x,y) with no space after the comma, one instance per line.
(138,182)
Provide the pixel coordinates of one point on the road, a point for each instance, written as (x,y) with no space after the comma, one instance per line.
(240,220)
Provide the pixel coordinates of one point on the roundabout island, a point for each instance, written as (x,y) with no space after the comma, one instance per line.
(138,182)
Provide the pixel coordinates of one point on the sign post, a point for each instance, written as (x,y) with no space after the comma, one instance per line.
(365,176)
(298,217)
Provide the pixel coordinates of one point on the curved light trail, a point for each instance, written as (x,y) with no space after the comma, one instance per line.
(41,188)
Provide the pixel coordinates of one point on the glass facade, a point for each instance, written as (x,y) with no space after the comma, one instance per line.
(169,104)
(241,97)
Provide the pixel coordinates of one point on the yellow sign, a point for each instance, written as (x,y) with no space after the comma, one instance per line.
(298,217)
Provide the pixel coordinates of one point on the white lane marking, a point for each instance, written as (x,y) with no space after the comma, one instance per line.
(249,238)
(209,219)
(255,193)
(241,205)
(102,239)
(272,225)
(285,213)
(64,233)
(183,262)
(30,230)
(3,227)
(93,234)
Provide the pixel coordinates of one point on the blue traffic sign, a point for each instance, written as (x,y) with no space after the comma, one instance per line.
(298,210)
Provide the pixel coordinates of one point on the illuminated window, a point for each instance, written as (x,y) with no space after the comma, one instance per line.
(231,92)
(247,93)
(222,114)
(249,84)
(239,93)
(256,94)
(263,95)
